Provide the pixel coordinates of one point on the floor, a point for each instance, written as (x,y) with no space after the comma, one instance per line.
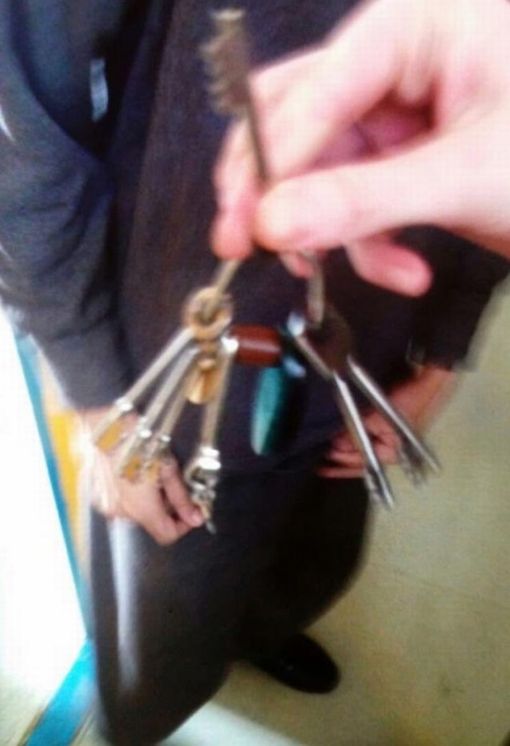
(423,637)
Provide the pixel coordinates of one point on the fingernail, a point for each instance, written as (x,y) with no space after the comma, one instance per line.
(230,239)
(197,517)
(413,281)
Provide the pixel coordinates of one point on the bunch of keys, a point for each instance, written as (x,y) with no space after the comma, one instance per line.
(321,335)
(327,347)
(196,364)
(194,367)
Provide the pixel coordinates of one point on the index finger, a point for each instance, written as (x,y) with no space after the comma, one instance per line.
(301,107)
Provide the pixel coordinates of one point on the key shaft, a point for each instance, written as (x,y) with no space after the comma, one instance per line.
(133,453)
(376,482)
(378,399)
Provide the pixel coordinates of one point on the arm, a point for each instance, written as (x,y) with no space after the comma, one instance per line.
(56,277)
(55,197)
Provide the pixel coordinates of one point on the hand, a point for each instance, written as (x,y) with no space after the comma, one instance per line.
(429,84)
(164,510)
(419,400)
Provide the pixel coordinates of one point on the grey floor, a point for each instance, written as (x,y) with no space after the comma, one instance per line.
(423,637)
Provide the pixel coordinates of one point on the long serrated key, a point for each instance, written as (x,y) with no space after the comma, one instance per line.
(227,58)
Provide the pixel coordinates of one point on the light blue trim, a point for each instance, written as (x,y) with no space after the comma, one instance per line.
(67,711)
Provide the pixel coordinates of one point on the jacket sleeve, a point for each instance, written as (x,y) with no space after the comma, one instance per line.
(466,278)
(55,197)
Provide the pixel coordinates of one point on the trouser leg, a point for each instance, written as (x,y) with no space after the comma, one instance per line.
(316,560)
(164,623)
(168,620)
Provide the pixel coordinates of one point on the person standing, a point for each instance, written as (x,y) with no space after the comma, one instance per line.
(107,148)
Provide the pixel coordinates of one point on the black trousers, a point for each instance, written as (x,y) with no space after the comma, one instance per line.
(168,622)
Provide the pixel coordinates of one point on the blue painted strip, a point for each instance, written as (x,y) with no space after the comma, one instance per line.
(28,357)
(67,711)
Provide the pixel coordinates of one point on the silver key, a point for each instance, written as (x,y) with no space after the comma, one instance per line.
(413,469)
(158,449)
(315,292)
(202,472)
(133,453)
(109,433)
(376,482)
(324,357)
(415,451)
(332,341)
(194,330)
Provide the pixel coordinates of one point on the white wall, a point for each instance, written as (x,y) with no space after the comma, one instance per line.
(40,625)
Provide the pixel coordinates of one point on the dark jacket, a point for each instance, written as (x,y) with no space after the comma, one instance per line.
(106,146)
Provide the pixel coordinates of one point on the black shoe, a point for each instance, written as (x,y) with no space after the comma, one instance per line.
(301,664)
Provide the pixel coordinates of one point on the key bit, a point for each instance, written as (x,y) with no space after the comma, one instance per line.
(227,58)
(413,469)
(132,455)
(328,348)
(204,387)
(111,430)
(202,476)
(204,469)
(203,497)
